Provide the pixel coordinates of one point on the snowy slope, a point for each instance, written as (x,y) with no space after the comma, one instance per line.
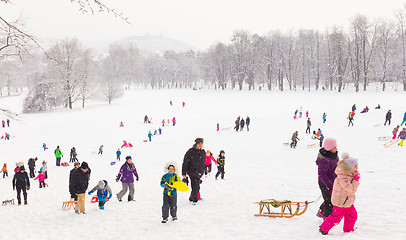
(258,166)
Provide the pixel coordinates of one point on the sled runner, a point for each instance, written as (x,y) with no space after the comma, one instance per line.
(6,202)
(287,208)
(391,142)
(68,205)
(384,138)
(180,186)
(314,145)
(95,199)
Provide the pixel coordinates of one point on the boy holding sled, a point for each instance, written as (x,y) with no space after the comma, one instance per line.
(343,196)
(102,189)
(170,194)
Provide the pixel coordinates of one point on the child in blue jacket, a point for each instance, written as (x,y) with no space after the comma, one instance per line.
(170,194)
(102,190)
(118,153)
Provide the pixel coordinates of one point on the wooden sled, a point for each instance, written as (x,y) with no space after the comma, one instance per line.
(68,205)
(287,208)
(378,125)
(391,142)
(226,129)
(384,138)
(6,202)
(314,145)
(286,144)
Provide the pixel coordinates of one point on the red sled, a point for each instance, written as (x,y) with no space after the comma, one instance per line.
(95,199)
(130,145)
(64,164)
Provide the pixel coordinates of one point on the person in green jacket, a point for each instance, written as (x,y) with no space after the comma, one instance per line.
(58,155)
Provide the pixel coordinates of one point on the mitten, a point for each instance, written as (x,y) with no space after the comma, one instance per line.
(110,196)
(90,192)
(186,181)
(117,179)
(137,178)
(357,176)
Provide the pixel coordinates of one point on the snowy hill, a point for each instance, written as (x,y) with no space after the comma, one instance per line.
(258,165)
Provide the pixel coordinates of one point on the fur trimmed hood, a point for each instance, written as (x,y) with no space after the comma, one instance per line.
(342,168)
(169,164)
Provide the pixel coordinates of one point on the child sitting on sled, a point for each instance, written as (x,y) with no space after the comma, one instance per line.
(102,189)
(343,196)
(170,194)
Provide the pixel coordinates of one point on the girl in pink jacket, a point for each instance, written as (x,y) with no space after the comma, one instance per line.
(343,196)
(41,179)
(208,160)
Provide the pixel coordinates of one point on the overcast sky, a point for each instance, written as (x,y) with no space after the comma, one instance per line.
(197,22)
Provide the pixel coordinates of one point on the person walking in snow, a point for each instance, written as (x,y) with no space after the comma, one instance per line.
(80,183)
(8,122)
(354,107)
(242,124)
(160,130)
(300,112)
(350,119)
(327,159)
(150,136)
(73,195)
(307,114)
(41,179)
(21,183)
(4,170)
(44,169)
(294,117)
(102,189)
(404,119)
(209,158)
(247,123)
(237,124)
(125,174)
(174,121)
(218,127)
(58,156)
(321,139)
(145,119)
(395,131)
(3,123)
(194,165)
(73,155)
(170,194)
(31,166)
(343,196)
(100,150)
(294,140)
(221,162)
(309,124)
(44,146)
(324,117)
(402,136)
(388,117)
(118,154)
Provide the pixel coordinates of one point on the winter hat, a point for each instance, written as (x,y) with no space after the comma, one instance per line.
(5,164)
(101,184)
(84,165)
(349,161)
(76,163)
(174,164)
(22,168)
(128,157)
(199,140)
(330,143)
(222,151)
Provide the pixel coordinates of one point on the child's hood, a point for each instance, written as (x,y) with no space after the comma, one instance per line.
(169,164)
(102,183)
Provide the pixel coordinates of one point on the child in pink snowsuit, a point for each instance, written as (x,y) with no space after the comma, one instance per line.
(209,158)
(41,179)
(343,197)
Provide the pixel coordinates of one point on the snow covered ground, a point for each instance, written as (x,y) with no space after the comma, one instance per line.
(258,166)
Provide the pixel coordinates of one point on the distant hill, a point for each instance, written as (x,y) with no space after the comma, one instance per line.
(157,43)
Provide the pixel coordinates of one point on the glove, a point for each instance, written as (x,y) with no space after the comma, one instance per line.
(90,192)
(14,188)
(117,179)
(110,196)
(28,187)
(186,181)
(137,178)
(357,176)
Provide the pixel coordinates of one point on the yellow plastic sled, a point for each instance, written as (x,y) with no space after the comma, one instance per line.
(180,186)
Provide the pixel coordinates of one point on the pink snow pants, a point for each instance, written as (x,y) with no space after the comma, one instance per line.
(349,215)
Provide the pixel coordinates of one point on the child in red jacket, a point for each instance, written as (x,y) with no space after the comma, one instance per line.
(41,179)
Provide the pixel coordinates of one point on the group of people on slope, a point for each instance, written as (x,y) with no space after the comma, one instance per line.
(240,123)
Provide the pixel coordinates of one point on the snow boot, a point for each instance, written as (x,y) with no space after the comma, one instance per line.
(321,231)
(165,220)
(174,218)
(320,214)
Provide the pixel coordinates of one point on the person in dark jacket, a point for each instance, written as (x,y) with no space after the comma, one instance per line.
(21,181)
(146,119)
(126,176)
(221,162)
(294,140)
(327,160)
(73,155)
(73,195)
(388,117)
(309,124)
(354,107)
(242,124)
(237,124)
(194,166)
(350,119)
(31,166)
(80,182)
(248,122)
(8,122)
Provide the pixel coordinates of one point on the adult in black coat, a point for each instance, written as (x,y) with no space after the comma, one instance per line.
(248,122)
(71,189)
(388,117)
(194,166)
(21,182)
(242,124)
(31,166)
(80,183)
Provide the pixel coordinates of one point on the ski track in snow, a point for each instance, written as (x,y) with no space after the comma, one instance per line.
(258,166)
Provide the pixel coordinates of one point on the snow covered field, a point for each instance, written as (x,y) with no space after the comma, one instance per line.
(258,166)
